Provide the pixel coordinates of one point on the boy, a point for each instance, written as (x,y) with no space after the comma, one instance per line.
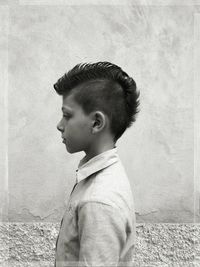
(100,102)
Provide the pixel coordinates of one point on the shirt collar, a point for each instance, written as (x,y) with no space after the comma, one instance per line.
(96,164)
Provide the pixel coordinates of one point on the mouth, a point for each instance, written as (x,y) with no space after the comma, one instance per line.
(64,140)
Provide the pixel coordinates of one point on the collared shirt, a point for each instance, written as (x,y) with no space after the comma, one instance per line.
(98,226)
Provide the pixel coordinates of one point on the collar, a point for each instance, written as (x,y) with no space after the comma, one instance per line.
(96,164)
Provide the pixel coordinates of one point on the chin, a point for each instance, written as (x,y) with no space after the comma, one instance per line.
(72,150)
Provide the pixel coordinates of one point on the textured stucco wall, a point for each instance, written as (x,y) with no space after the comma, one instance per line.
(155,44)
(3,109)
(162,245)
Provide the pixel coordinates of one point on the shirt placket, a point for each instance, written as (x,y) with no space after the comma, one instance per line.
(63,216)
(74,188)
(75,182)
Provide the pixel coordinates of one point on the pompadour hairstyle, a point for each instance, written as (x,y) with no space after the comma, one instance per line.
(106,87)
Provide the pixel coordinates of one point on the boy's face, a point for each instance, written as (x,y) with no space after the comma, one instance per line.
(75,126)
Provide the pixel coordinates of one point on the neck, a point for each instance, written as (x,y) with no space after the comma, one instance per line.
(98,148)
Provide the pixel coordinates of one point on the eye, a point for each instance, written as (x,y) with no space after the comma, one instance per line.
(66,116)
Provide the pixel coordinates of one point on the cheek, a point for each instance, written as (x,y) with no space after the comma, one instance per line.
(78,128)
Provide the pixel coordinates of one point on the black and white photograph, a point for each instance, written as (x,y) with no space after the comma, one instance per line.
(100,133)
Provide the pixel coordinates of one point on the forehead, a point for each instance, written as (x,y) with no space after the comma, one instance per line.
(69,104)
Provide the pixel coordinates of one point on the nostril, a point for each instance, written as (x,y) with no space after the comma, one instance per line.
(58,127)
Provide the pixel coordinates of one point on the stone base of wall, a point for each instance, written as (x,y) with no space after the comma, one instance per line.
(33,244)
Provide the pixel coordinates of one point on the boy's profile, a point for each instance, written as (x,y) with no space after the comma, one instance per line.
(100,101)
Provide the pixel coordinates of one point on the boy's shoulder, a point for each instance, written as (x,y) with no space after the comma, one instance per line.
(109,186)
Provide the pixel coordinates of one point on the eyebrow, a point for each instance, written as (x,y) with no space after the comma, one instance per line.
(66,109)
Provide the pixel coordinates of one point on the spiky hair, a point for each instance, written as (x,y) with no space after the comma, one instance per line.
(104,86)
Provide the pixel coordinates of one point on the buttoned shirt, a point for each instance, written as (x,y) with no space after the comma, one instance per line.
(98,226)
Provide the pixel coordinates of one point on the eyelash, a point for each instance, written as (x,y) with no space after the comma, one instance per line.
(66,116)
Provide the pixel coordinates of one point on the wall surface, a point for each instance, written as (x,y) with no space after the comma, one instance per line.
(163,245)
(155,44)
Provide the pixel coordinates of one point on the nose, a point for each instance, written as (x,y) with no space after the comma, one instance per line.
(60,127)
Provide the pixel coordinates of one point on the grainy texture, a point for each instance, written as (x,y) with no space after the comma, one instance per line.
(33,244)
(154,41)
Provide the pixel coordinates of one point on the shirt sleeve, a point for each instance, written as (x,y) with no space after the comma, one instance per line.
(102,234)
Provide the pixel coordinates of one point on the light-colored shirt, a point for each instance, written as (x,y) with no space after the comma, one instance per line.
(98,226)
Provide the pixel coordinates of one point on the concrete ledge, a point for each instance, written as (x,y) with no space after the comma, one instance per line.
(33,244)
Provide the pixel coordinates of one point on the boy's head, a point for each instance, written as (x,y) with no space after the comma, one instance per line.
(101,87)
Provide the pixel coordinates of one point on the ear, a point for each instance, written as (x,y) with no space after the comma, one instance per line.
(98,122)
